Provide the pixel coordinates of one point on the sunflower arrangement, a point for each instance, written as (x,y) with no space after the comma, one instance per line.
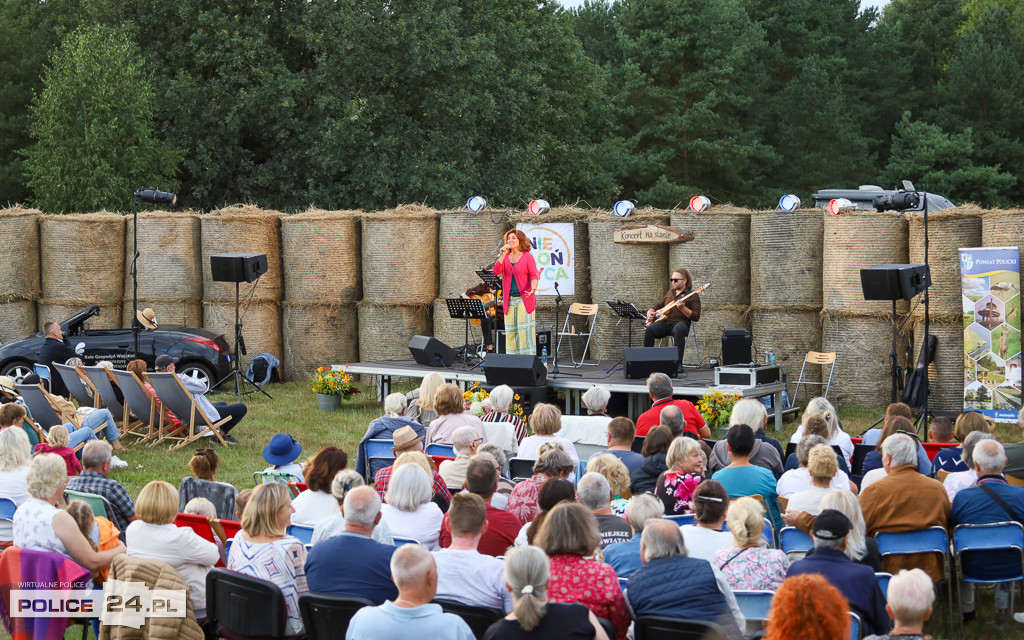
(332,382)
(473,399)
(716,407)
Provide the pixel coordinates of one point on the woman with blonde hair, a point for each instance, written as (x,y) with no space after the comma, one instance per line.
(676,486)
(822,466)
(748,564)
(618,477)
(420,405)
(819,406)
(527,577)
(859,547)
(409,511)
(15,455)
(546,421)
(451,414)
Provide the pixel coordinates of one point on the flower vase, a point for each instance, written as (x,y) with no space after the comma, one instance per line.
(328,402)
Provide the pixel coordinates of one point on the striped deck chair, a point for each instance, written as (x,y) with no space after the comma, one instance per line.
(176,398)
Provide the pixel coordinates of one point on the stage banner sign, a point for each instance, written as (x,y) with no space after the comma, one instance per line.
(990,277)
(552,248)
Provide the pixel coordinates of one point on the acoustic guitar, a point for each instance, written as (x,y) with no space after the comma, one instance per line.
(662,313)
(490,303)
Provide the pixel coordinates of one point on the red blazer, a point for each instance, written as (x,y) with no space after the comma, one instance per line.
(652,417)
(525,271)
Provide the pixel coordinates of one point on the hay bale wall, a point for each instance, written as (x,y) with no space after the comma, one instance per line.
(948,230)
(19,272)
(261,330)
(170,278)
(786,258)
(862,344)
(791,334)
(581,251)
(714,319)
(400,256)
(169,313)
(1001,228)
(722,232)
(17,319)
(946,372)
(245,229)
(386,329)
(466,242)
(316,335)
(321,257)
(853,241)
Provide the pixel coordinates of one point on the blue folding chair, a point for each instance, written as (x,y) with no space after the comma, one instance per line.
(399,541)
(855,626)
(683,518)
(7,508)
(755,606)
(928,540)
(444,450)
(302,532)
(794,540)
(379,451)
(989,554)
(623,583)
(883,582)
(43,371)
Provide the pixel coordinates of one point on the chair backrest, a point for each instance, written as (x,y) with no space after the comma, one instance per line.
(43,371)
(197,523)
(380,448)
(941,474)
(638,444)
(7,508)
(817,357)
(795,540)
(860,451)
(581,309)
(754,604)
(683,518)
(176,398)
(1017,482)
(325,615)
(445,450)
(478,618)
(609,628)
(136,396)
(883,579)
(303,532)
(399,541)
(38,405)
(623,583)
(989,552)
(302,486)
(665,628)
(520,468)
(928,540)
(97,502)
(855,626)
(790,450)
(101,382)
(263,477)
(245,607)
(74,384)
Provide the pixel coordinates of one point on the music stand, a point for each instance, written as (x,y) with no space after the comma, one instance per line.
(628,311)
(468,309)
(492,281)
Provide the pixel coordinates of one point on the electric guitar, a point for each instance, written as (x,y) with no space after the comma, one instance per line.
(662,313)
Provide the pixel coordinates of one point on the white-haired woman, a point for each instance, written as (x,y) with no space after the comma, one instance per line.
(503,428)
(409,511)
(421,401)
(527,577)
(596,400)
(384,427)
(344,481)
(675,487)
(822,465)
(859,547)
(767,451)
(821,407)
(15,454)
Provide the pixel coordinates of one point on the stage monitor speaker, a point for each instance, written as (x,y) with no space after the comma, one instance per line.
(543,340)
(238,267)
(643,361)
(431,352)
(894,281)
(514,370)
(737,346)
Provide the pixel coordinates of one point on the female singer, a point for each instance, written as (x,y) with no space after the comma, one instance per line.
(519,280)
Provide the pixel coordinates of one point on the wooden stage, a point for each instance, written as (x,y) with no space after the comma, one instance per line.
(691,384)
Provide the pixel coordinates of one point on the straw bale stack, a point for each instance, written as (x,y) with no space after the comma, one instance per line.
(791,334)
(321,257)
(317,335)
(719,252)
(169,272)
(785,259)
(862,344)
(82,265)
(19,272)
(853,241)
(400,256)
(714,319)
(17,319)
(386,329)
(581,249)
(1000,228)
(948,231)
(261,330)
(467,242)
(946,372)
(245,229)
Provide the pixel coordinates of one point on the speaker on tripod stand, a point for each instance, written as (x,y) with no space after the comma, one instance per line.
(238,268)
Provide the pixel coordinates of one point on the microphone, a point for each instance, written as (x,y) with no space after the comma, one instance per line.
(556,285)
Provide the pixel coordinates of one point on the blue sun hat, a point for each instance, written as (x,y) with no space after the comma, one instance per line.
(282,450)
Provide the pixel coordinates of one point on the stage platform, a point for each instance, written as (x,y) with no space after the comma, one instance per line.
(691,384)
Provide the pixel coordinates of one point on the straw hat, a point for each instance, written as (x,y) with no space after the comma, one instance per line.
(405,437)
(146,318)
(7,384)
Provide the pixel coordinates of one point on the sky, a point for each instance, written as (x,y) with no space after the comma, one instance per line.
(863,3)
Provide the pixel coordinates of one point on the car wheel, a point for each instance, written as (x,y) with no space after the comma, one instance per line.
(197,371)
(18,370)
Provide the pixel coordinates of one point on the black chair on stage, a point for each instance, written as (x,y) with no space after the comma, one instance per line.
(325,616)
(245,608)
(479,619)
(666,628)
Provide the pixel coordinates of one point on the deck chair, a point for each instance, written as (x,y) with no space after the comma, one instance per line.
(580,323)
(99,504)
(103,382)
(76,387)
(176,399)
(141,404)
(823,360)
(40,408)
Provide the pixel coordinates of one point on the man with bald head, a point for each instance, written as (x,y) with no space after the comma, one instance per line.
(412,613)
(465,442)
(672,417)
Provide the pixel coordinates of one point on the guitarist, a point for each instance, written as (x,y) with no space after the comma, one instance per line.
(488,324)
(677,323)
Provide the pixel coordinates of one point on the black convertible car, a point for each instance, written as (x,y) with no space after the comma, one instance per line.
(201,354)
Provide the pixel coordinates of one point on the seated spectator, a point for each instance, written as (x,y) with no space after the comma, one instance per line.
(15,454)
(900,409)
(281,453)
(814,426)
(748,564)
(792,618)
(822,467)
(553,492)
(617,476)
(203,484)
(552,462)
(958,480)
(198,388)
(595,399)
(96,460)
(502,527)
(205,508)
(263,550)
(767,452)
(155,537)
(672,417)
(405,441)
(596,494)
(1014,452)
(741,478)
(940,430)
(316,503)
(465,442)
(384,428)
(873,460)
(911,597)
(859,547)
(905,500)
(855,581)
(240,502)
(451,414)
(99,531)
(685,472)
(501,427)
(81,427)
(706,538)
(463,573)
(420,405)
(951,459)
(654,452)
(344,481)
(409,511)
(527,577)
(624,557)
(12,414)
(621,434)
(545,420)
(699,592)
(352,562)
(40,525)
(659,388)
(415,574)
(57,442)
(799,479)
(821,407)
(569,536)
(505,486)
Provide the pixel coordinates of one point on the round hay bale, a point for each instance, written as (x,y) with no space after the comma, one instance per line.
(169,313)
(61,310)
(785,258)
(862,344)
(400,256)
(19,262)
(17,319)
(1000,228)
(386,329)
(467,242)
(81,260)
(261,330)
(853,241)
(168,266)
(242,229)
(791,334)
(719,252)
(948,231)
(321,256)
(317,335)
(580,249)
(946,372)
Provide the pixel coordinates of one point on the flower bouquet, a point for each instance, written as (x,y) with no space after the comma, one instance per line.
(716,407)
(473,399)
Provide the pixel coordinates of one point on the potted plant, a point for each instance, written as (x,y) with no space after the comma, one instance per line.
(331,387)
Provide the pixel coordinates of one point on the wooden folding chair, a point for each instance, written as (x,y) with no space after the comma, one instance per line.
(103,382)
(825,360)
(581,324)
(177,399)
(141,403)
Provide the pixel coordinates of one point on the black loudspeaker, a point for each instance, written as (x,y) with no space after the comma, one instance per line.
(543,340)
(514,370)
(894,281)
(737,346)
(237,267)
(643,361)
(431,352)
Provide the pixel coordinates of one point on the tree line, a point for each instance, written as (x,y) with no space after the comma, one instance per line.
(346,104)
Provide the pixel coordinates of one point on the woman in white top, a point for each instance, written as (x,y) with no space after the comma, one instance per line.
(958,480)
(799,479)
(545,421)
(344,481)
(409,511)
(154,536)
(822,407)
(39,525)
(316,503)
(822,465)
(15,454)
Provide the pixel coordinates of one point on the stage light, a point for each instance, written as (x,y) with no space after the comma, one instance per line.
(788,202)
(153,196)
(538,207)
(838,205)
(476,204)
(699,203)
(623,208)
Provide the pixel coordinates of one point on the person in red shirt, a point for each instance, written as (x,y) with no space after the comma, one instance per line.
(502,527)
(659,386)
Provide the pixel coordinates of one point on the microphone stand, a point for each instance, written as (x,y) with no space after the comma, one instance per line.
(554,362)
